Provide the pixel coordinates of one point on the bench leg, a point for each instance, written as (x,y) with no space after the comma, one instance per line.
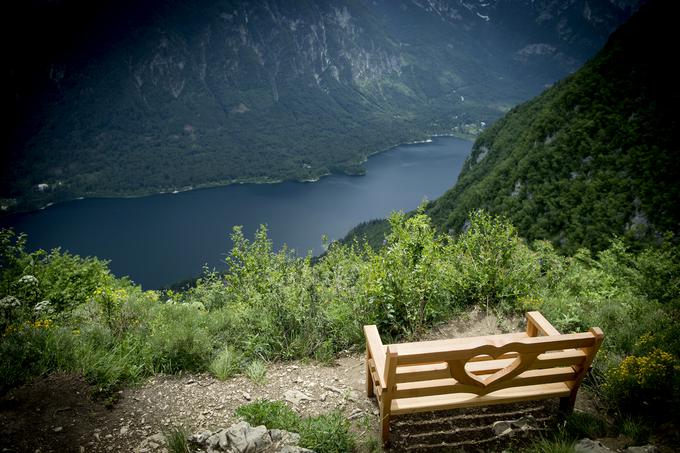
(384,427)
(567,403)
(369,376)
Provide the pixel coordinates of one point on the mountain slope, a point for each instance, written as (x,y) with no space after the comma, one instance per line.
(595,155)
(128,98)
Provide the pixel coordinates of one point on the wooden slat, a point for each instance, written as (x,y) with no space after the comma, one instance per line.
(560,358)
(450,385)
(482,358)
(455,400)
(488,366)
(376,351)
(492,346)
(455,343)
(428,372)
(541,324)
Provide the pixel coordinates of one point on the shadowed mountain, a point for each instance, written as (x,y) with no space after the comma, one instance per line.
(129,98)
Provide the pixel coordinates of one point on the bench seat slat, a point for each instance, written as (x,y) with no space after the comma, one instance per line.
(456,400)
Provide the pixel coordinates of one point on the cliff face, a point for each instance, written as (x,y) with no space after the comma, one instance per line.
(594,156)
(134,97)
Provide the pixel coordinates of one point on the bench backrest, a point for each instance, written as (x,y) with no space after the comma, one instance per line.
(485,364)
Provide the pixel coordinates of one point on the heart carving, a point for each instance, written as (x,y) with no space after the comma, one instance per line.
(464,376)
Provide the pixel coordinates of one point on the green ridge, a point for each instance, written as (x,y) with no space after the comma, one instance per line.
(595,155)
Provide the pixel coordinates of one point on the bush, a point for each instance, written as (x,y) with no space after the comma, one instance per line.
(405,284)
(643,383)
(179,339)
(490,263)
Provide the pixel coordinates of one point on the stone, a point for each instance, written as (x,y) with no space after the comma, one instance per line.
(590,446)
(201,437)
(58,429)
(296,397)
(356,413)
(280,436)
(512,427)
(244,438)
(642,449)
(237,436)
(258,439)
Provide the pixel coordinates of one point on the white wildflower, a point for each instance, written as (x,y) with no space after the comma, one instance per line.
(9,302)
(43,307)
(28,280)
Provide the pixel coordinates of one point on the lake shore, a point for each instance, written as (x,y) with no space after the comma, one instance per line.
(7,212)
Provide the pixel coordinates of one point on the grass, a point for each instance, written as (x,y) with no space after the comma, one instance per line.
(582,424)
(176,440)
(257,372)
(325,433)
(559,444)
(637,428)
(226,364)
(272,414)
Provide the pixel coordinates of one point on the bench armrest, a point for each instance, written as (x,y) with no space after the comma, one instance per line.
(376,351)
(536,323)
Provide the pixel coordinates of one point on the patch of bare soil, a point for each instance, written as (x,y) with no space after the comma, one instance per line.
(56,414)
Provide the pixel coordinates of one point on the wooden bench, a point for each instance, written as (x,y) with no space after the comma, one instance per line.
(478,371)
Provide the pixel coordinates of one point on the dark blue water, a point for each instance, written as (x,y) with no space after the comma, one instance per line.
(162,239)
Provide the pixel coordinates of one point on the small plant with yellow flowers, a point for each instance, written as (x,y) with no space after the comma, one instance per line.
(641,381)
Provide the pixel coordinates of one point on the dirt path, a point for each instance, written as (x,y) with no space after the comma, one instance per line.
(56,414)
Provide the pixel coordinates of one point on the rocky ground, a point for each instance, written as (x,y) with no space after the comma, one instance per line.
(57,414)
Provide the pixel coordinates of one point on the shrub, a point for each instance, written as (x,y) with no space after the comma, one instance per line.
(34,348)
(641,383)
(491,264)
(405,284)
(179,339)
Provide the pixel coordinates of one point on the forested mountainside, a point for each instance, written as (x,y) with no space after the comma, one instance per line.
(128,98)
(594,156)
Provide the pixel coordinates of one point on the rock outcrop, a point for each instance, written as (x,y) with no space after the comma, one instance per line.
(244,438)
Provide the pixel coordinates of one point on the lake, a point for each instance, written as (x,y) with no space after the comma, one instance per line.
(162,239)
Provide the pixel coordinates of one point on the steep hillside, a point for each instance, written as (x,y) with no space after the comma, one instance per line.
(593,156)
(128,98)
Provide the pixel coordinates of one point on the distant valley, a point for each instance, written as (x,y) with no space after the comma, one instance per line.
(132,98)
